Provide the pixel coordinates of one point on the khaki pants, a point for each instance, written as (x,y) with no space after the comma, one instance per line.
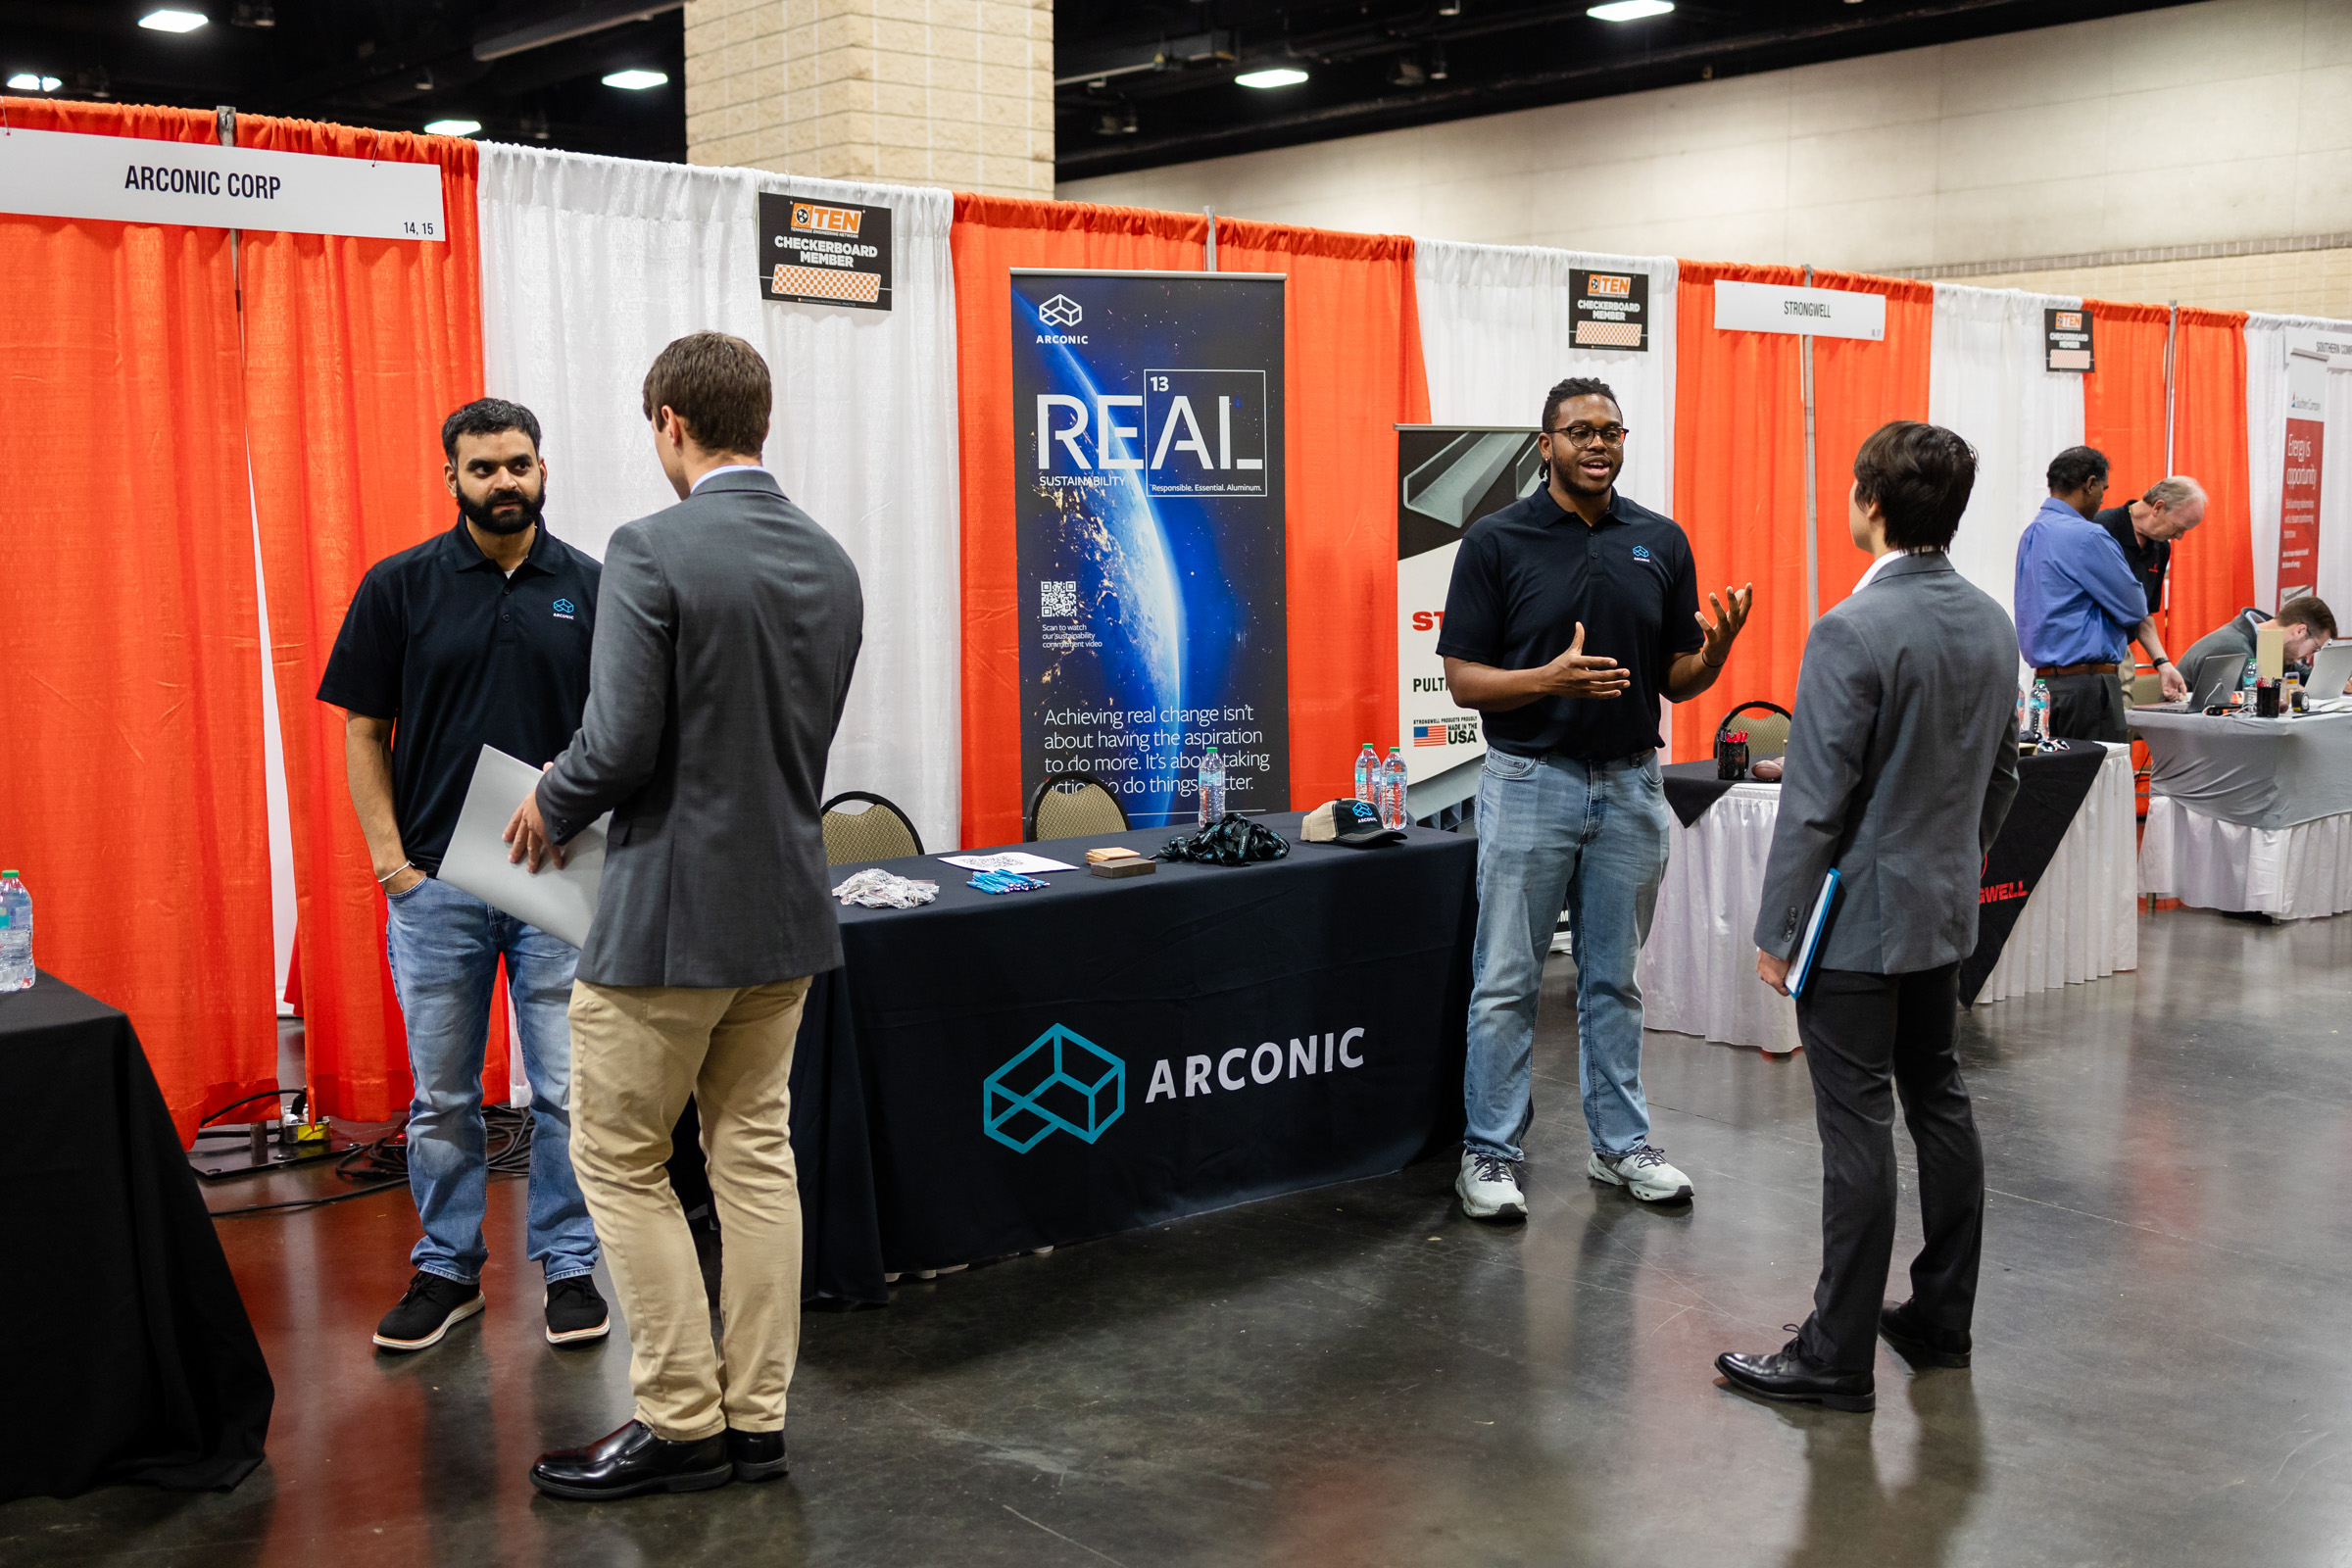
(637,1052)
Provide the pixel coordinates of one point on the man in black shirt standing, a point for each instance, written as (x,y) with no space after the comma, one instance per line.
(2144,531)
(1571,612)
(478,636)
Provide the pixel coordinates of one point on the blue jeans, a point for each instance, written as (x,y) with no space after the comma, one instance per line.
(445,945)
(1590,837)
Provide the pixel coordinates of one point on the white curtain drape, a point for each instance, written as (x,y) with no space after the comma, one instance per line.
(2268,339)
(591,264)
(1985,381)
(1498,334)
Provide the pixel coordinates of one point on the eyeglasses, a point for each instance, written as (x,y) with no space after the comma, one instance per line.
(1585,435)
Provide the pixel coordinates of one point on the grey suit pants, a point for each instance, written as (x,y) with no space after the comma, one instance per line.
(1869,1038)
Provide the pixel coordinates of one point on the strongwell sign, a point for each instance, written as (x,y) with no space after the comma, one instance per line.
(1063,1082)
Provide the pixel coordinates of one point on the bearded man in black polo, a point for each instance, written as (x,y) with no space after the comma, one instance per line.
(1571,612)
(478,637)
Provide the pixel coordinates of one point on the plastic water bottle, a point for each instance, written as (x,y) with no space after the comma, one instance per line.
(1392,790)
(1212,787)
(15,934)
(1367,773)
(2037,712)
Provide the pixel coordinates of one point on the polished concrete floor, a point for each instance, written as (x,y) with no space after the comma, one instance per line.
(1360,1376)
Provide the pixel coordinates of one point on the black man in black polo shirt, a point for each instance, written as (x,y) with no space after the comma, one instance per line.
(1571,612)
(478,636)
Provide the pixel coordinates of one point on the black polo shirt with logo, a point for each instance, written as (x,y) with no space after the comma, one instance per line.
(2146,561)
(460,656)
(1524,578)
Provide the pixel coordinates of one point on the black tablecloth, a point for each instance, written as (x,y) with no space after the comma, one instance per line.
(2051,788)
(1693,789)
(131,1358)
(1038,1068)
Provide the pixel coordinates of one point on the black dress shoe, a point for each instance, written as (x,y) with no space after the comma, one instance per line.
(756,1455)
(631,1460)
(1922,1343)
(1795,1378)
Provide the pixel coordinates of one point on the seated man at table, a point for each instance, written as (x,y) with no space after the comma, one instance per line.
(2306,623)
(731,624)
(1903,763)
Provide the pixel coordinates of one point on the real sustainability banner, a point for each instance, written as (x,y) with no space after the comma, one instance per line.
(1148,495)
(1447,477)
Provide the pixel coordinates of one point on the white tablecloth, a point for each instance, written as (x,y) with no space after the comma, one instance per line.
(2293,873)
(1698,970)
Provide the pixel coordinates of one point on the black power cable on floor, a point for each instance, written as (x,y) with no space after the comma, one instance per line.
(384,1163)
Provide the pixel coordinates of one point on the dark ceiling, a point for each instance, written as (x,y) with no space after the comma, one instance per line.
(1373,65)
(1138,83)
(393,63)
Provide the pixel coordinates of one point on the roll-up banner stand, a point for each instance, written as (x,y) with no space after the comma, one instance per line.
(1148,507)
(2306,462)
(1447,477)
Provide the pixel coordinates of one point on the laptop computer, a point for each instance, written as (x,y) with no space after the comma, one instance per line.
(2216,678)
(2323,692)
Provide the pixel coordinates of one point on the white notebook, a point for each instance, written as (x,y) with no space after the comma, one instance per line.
(561,902)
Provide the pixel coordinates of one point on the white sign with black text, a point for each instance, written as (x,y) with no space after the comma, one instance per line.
(1816,311)
(130,179)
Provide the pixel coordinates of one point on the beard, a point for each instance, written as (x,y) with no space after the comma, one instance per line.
(483,516)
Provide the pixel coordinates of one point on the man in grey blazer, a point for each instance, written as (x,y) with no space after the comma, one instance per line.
(727,631)
(1901,765)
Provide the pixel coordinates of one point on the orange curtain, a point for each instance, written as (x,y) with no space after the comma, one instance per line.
(993,234)
(1352,354)
(1857,386)
(1740,490)
(131,701)
(2213,569)
(355,350)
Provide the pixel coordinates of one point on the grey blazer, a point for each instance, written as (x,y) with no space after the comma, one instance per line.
(1901,766)
(725,635)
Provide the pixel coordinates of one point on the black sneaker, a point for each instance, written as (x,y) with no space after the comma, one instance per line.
(432,1304)
(755,1456)
(576,1313)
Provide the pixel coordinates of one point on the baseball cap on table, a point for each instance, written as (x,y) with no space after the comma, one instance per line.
(1353,823)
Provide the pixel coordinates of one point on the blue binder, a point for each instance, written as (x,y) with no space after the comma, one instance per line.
(1817,931)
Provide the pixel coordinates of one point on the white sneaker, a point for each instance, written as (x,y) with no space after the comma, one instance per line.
(1644,1173)
(1489,1185)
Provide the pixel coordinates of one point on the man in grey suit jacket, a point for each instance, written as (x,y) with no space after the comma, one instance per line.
(728,628)
(1901,765)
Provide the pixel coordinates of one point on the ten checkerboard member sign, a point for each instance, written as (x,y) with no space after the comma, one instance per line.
(477,638)
(1572,611)
(1901,766)
(730,628)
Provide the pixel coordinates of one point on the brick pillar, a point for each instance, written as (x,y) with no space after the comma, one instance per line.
(921,92)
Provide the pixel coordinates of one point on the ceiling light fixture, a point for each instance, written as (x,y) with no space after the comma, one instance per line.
(30,82)
(453,127)
(637,80)
(1278,76)
(1629,10)
(173,21)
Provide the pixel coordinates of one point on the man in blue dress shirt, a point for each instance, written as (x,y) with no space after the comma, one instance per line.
(2077,603)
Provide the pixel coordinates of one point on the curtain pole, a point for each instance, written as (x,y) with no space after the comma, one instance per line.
(2172,330)
(1211,213)
(1812,540)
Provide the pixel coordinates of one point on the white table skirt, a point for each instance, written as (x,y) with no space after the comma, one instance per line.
(1697,972)
(2293,873)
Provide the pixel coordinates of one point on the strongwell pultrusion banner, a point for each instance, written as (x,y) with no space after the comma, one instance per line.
(1147,493)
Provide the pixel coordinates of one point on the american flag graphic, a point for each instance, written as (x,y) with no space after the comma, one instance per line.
(1429,734)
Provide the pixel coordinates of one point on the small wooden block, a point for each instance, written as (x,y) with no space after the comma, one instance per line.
(1110,852)
(1132,866)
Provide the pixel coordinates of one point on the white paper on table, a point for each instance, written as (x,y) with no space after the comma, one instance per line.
(559,901)
(1013,861)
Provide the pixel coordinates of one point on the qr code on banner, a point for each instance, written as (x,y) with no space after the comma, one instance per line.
(1056,599)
